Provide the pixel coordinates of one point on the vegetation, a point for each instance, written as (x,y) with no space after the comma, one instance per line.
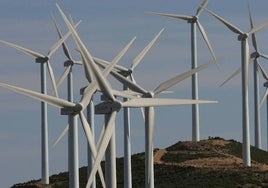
(209,163)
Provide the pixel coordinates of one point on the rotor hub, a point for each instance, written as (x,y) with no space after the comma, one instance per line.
(193,20)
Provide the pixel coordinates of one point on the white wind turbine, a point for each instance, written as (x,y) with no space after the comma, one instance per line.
(112,106)
(194,21)
(265,97)
(243,37)
(43,60)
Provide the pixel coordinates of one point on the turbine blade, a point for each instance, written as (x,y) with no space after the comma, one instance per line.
(104,143)
(232,76)
(65,49)
(227,24)
(89,64)
(52,77)
(128,83)
(102,63)
(203,32)
(149,102)
(264,56)
(63,76)
(264,97)
(63,133)
(200,8)
(91,143)
(124,94)
(254,40)
(264,74)
(258,27)
(24,50)
(60,42)
(138,59)
(173,81)
(109,68)
(39,96)
(177,16)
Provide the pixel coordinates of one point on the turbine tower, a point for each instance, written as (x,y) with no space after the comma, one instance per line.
(243,38)
(265,97)
(194,21)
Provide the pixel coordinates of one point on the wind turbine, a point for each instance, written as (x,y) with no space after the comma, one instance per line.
(43,60)
(243,37)
(194,21)
(265,76)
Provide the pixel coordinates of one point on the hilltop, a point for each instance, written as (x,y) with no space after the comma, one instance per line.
(209,163)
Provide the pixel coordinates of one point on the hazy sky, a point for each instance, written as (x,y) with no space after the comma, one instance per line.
(106,27)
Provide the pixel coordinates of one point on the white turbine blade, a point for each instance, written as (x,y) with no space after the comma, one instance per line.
(203,32)
(148,102)
(254,40)
(91,143)
(109,68)
(173,81)
(177,16)
(24,50)
(90,64)
(39,96)
(264,74)
(264,56)
(235,73)
(52,77)
(232,76)
(258,27)
(104,64)
(131,85)
(100,137)
(104,143)
(63,76)
(200,8)
(227,24)
(264,97)
(54,48)
(65,49)
(138,59)
(63,133)
(124,94)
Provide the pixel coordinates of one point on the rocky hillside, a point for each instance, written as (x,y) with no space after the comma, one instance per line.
(209,163)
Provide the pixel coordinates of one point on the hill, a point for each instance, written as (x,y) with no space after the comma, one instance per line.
(209,163)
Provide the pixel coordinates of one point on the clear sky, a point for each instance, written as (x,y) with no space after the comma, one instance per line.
(106,27)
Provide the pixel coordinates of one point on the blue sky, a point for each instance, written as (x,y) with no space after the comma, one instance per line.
(106,27)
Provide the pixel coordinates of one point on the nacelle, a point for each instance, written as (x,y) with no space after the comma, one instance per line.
(107,107)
